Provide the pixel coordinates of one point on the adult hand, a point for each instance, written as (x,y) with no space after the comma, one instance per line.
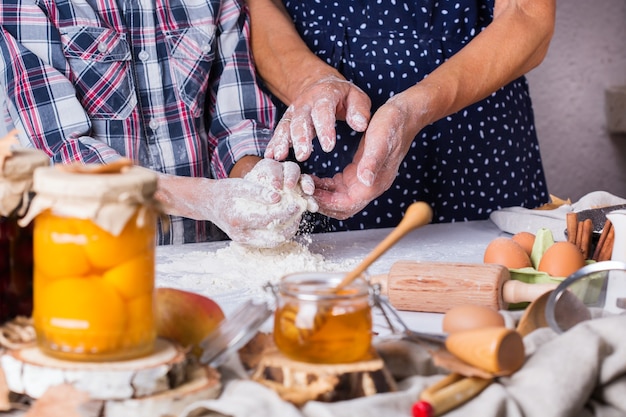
(314,113)
(375,165)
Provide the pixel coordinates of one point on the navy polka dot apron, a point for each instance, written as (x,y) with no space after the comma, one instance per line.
(480,159)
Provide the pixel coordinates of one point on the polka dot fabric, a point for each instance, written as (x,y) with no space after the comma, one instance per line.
(480,159)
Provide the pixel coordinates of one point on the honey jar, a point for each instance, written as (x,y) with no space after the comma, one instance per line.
(94,248)
(16,244)
(317,323)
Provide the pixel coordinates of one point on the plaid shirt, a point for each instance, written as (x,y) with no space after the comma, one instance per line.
(167,83)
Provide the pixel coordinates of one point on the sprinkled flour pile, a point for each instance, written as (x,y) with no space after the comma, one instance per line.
(240,272)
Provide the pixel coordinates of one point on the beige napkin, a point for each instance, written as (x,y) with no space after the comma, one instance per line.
(519,219)
(579,373)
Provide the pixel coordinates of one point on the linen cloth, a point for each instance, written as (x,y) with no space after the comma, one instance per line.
(519,219)
(580,373)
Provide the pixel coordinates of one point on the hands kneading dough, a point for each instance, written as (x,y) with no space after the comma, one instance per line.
(279,222)
(263,209)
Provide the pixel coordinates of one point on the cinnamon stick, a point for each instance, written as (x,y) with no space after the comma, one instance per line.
(579,236)
(585,241)
(602,239)
(607,249)
(572,226)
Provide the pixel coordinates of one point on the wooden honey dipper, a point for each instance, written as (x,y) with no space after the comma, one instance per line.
(417,214)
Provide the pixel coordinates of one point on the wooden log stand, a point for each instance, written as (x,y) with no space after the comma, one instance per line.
(299,382)
(160,384)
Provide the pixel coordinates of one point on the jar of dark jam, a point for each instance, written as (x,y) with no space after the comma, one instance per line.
(16,243)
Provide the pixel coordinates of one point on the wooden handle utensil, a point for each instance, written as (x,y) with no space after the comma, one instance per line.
(496,350)
(456,389)
(417,214)
(438,286)
(448,393)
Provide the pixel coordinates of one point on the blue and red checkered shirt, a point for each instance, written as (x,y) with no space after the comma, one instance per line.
(168,83)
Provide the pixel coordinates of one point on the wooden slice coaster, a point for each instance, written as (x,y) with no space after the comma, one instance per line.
(30,372)
(299,382)
(203,384)
(65,400)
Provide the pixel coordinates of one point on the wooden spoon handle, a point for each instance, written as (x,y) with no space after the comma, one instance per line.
(417,214)
(452,391)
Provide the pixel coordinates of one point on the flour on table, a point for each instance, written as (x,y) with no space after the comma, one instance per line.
(239,272)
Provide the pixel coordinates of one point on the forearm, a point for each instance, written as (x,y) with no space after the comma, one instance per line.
(283,60)
(514,43)
(178,195)
(192,197)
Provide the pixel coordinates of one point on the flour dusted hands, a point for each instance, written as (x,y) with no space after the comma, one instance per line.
(286,178)
(314,113)
(374,166)
(261,210)
(381,150)
(283,218)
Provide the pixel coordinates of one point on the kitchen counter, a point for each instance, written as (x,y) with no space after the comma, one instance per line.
(230,276)
(225,272)
(198,268)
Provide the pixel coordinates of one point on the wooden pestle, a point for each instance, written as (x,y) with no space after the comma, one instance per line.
(438,286)
(456,389)
(498,350)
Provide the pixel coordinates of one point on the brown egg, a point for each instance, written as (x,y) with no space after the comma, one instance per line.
(469,317)
(507,252)
(526,240)
(561,259)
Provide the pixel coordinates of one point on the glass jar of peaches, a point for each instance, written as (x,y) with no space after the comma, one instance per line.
(94,244)
(317,323)
(16,243)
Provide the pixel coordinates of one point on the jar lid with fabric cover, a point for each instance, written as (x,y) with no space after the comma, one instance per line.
(107,199)
(16,178)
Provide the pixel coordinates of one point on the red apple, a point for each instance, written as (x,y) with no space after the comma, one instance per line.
(185,317)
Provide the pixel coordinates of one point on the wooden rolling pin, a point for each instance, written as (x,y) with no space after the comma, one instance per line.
(438,286)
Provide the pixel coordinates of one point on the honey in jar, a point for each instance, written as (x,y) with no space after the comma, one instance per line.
(16,243)
(316,323)
(94,245)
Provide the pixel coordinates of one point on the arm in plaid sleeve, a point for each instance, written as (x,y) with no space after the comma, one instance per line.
(39,95)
